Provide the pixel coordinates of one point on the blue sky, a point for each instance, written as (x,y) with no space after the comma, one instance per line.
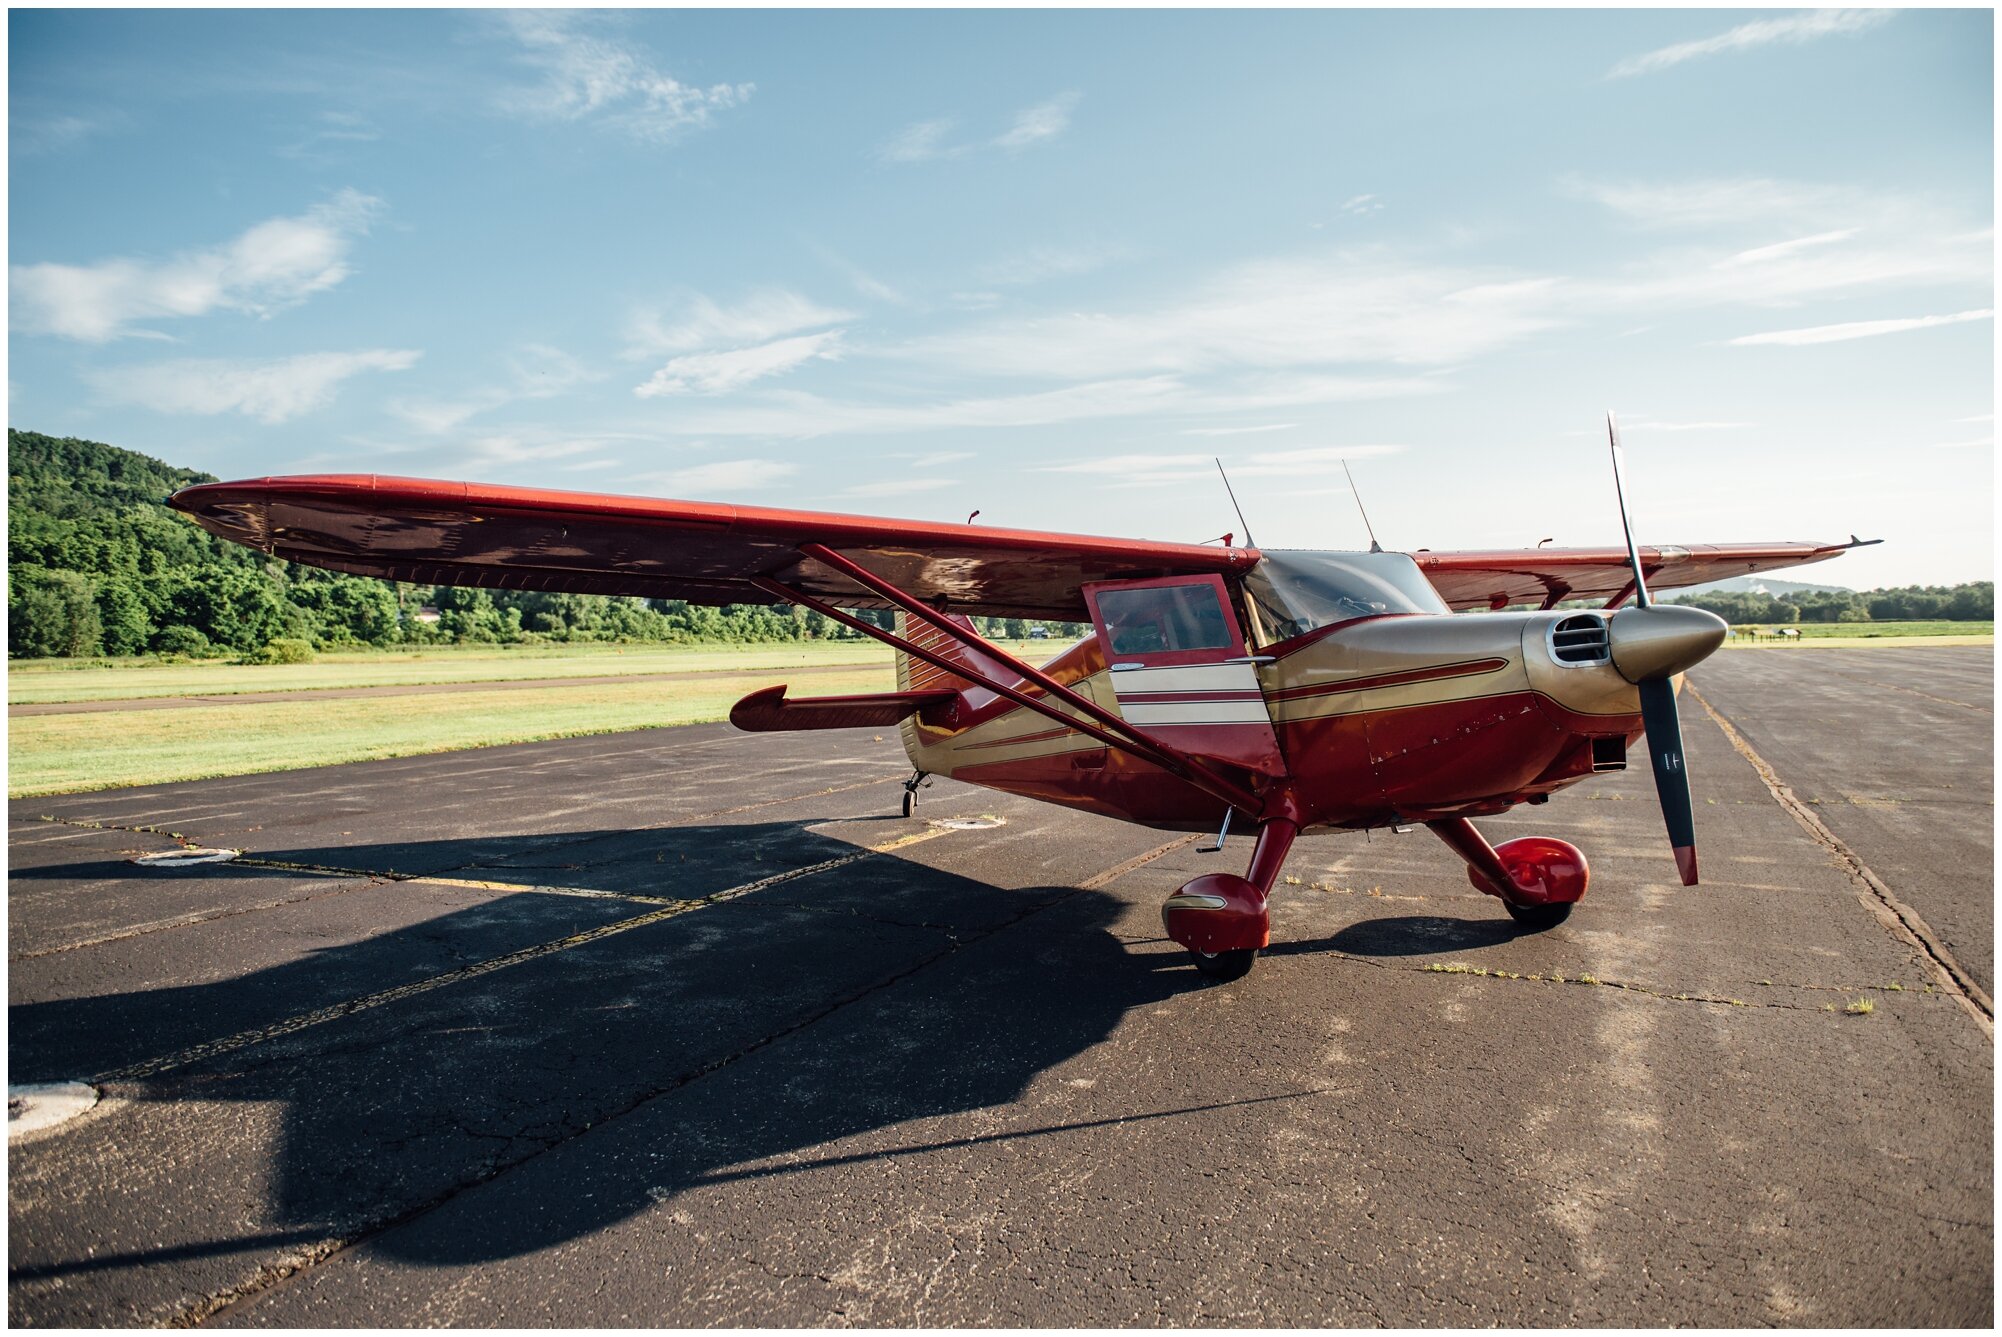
(1041,264)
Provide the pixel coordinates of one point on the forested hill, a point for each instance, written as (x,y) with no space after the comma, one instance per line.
(97,564)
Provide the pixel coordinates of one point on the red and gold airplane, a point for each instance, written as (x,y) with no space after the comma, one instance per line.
(1282,690)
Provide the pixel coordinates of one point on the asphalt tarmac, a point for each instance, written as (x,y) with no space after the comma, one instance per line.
(687,1026)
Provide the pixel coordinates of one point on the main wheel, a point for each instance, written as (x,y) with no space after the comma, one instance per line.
(1536,918)
(1225,966)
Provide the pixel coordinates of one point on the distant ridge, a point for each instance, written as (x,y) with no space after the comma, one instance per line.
(1756,585)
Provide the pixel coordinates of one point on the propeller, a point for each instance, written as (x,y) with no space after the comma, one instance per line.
(1651,643)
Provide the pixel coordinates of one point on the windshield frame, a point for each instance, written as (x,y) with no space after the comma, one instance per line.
(1294,592)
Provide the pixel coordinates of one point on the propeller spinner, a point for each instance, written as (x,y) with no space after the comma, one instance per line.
(1651,643)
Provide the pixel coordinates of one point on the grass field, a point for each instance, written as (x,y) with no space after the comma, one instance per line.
(1826,634)
(47,680)
(51,754)
(65,753)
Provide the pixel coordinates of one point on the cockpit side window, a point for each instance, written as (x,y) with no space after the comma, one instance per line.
(1158,618)
(1294,592)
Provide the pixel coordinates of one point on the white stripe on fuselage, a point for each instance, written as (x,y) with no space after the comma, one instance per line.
(1186,678)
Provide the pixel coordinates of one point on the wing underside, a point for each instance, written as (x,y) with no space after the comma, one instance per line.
(1548,576)
(525,539)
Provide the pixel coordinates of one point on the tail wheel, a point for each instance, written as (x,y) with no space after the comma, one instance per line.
(1536,918)
(1224,967)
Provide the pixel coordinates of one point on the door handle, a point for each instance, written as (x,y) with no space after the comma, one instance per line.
(1253,659)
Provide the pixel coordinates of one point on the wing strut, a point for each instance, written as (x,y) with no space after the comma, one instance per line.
(1110,729)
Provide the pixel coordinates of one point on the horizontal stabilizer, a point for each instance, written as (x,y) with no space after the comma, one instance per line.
(767,710)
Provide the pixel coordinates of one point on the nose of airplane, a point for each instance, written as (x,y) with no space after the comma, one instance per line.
(1662,640)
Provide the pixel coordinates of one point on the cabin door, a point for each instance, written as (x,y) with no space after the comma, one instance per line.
(1180,669)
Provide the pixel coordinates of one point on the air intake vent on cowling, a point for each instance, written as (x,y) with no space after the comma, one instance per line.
(1580,639)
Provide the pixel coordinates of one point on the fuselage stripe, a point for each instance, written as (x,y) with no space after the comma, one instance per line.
(1466,669)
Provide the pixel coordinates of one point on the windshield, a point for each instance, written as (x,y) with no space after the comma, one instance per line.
(1292,593)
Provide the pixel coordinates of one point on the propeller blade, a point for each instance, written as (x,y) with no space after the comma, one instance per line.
(1671,777)
(1641,599)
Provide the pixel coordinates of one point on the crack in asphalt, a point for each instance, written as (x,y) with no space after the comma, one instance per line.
(1902,920)
(282,1272)
(1590,980)
(383,997)
(376,877)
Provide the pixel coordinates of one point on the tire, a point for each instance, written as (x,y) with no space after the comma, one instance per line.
(1224,967)
(910,801)
(1537,918)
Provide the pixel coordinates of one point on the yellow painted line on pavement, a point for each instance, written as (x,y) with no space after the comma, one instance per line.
(367,1002)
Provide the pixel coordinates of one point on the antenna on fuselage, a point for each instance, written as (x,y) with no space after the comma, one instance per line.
(1374,546)
(1249,541)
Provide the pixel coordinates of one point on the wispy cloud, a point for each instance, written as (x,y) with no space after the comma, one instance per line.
(1237,431)
(32,134)
(723,348)
(859,278)
(897,487)
(536,371)
(732,369)
(503,450)
(276,264)
(1368,309)
(1794,29)
(1846,240)
(1635,423)
(1148,470)
(703,323)
(932,140)
(330,131)
(271,390)
(1709,200)
(922,141)
(1034,125)
(1039,263)
(1860,329)
(1777,250)
(591,77)
(723,476)
(801,415)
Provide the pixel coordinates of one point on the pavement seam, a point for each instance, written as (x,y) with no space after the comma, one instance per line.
(1903,922)
(277,1274)
(383,997)
(376,877)
(1913,691)
(187,921)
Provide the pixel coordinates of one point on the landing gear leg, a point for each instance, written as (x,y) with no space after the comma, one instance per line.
(1222,919)
(1537,879)
(918,780)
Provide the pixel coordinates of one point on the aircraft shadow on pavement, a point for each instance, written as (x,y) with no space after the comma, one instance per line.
(1406,935)
(807,1013)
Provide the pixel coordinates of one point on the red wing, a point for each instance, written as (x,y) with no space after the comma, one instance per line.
(1547,575)
(434,533)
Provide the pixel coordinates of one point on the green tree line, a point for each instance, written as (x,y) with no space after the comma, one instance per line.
(1974,602)
(98,565)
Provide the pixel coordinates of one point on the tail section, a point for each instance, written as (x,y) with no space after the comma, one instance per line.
(932,754)
(915,675)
